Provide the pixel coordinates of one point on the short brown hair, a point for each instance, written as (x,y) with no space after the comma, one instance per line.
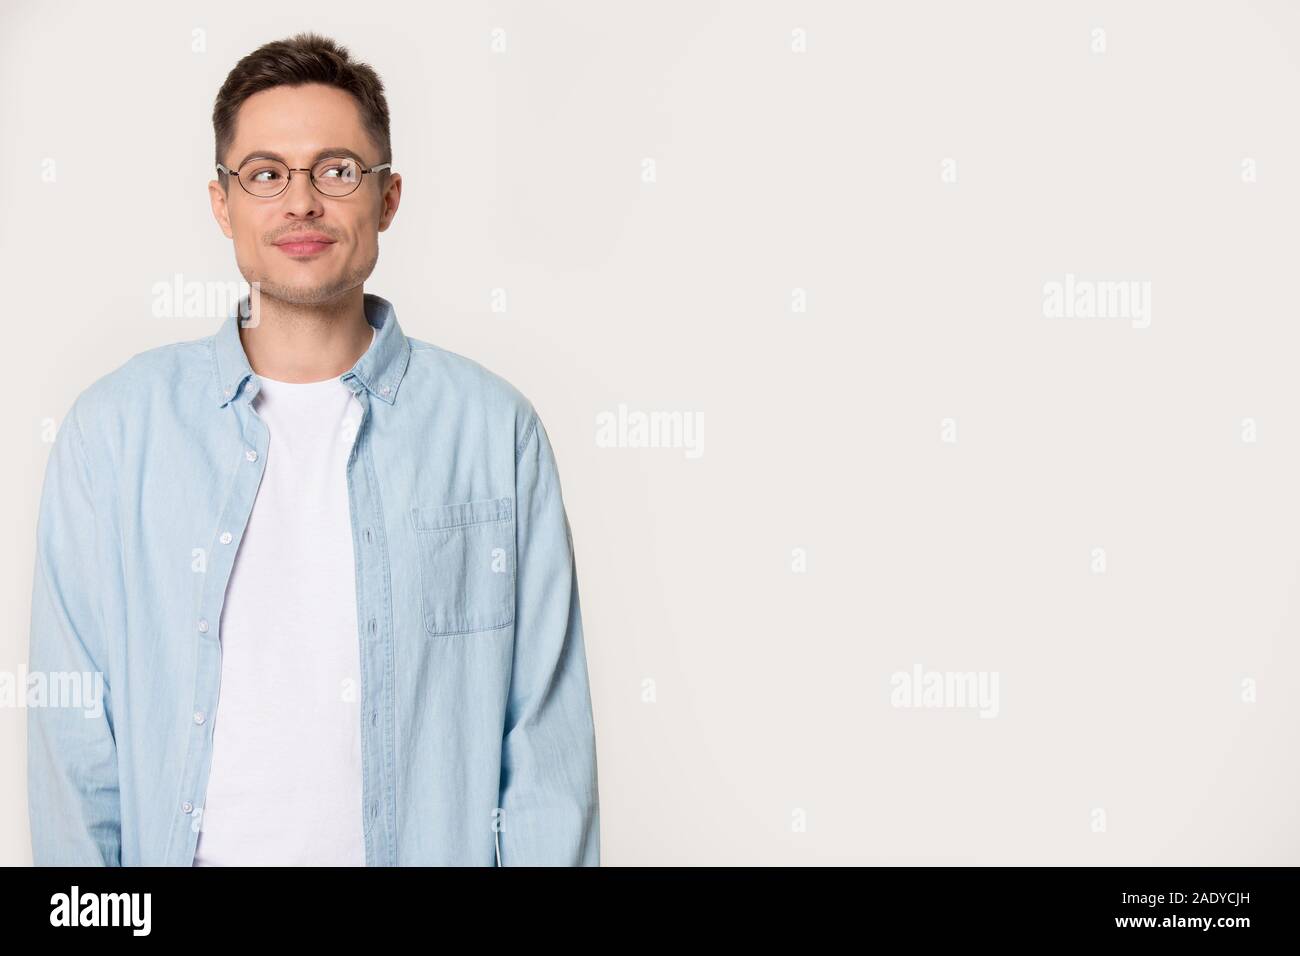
(303,58)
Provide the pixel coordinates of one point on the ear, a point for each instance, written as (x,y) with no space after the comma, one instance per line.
(220,211)
(389,200)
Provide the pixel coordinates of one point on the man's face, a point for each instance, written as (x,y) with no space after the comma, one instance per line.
(299,125)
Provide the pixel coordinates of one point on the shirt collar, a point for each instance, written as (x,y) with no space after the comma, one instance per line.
(380,369)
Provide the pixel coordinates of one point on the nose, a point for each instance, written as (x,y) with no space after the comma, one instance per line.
(301,198)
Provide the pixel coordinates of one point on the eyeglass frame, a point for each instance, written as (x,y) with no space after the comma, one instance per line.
(223,168)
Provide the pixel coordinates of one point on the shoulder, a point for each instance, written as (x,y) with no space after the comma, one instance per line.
(168,371)
(475,384)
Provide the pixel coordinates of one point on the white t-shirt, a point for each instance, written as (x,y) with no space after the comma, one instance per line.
(285,785)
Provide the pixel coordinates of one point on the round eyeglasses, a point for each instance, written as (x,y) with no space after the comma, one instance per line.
(334,176)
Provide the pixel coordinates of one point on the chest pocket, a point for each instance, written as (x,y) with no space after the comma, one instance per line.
(467,565)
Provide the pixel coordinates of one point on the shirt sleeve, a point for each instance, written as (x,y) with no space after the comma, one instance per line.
(549,803)
(72,778)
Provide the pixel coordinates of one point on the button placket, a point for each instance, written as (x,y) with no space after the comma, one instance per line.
(376,656)
(234,513)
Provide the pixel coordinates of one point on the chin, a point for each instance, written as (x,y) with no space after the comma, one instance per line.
(296,293)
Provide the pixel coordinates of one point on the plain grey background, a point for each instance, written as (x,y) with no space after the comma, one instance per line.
(746,214)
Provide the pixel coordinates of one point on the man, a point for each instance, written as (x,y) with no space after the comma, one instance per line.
(325,570)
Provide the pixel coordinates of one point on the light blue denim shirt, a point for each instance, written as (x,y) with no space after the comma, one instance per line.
(478,743)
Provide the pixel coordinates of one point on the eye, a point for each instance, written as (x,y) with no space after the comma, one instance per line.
(264,174)
(339,169)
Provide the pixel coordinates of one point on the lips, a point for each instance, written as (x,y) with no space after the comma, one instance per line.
(304,243)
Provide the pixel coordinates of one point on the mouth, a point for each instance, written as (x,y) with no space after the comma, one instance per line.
(304,245)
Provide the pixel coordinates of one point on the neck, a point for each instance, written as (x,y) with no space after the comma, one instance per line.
(293,342)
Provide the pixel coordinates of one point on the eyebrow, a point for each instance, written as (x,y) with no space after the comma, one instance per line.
(321,154)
